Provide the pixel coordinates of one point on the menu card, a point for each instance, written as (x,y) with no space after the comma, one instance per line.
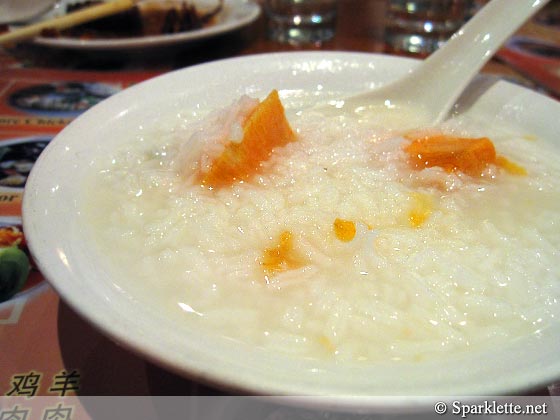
(39,353)
(535,59)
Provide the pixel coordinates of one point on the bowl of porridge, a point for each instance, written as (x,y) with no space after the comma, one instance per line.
(218,223)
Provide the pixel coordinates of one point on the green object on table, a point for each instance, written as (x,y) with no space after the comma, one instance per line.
(14,269)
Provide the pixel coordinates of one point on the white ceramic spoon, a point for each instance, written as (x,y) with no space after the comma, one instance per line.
(432,88)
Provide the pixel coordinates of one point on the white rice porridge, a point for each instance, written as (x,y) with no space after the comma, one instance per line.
(480,270)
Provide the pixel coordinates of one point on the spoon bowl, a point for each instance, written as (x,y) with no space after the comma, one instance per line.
(432,88)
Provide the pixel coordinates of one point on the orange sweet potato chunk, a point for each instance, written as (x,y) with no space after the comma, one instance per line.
(345,230)
(265,129)
(470,156)
(281,257)
(421,209)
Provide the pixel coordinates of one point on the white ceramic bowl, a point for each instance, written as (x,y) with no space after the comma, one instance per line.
(83,278)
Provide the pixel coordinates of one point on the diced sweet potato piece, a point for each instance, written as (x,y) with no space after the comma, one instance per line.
(466,155)
(345,230)
(265,129)
(327,343)
(281,257)
(421,209)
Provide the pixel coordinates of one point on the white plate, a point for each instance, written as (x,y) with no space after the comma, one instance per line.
(20,10)
(61,245)
(235,15)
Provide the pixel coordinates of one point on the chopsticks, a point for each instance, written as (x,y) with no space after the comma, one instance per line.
(66,21)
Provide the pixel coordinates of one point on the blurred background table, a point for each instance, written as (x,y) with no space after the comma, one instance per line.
(360,27)
(42,341)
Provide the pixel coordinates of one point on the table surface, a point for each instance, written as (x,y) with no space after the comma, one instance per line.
(46,348)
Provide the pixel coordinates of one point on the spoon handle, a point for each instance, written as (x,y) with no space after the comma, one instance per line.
(432,87)
(450,69)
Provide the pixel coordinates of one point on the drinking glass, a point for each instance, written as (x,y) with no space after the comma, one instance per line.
(301,21)
(422,26)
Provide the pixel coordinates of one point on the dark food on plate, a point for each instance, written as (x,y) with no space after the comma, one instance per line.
(144,19)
